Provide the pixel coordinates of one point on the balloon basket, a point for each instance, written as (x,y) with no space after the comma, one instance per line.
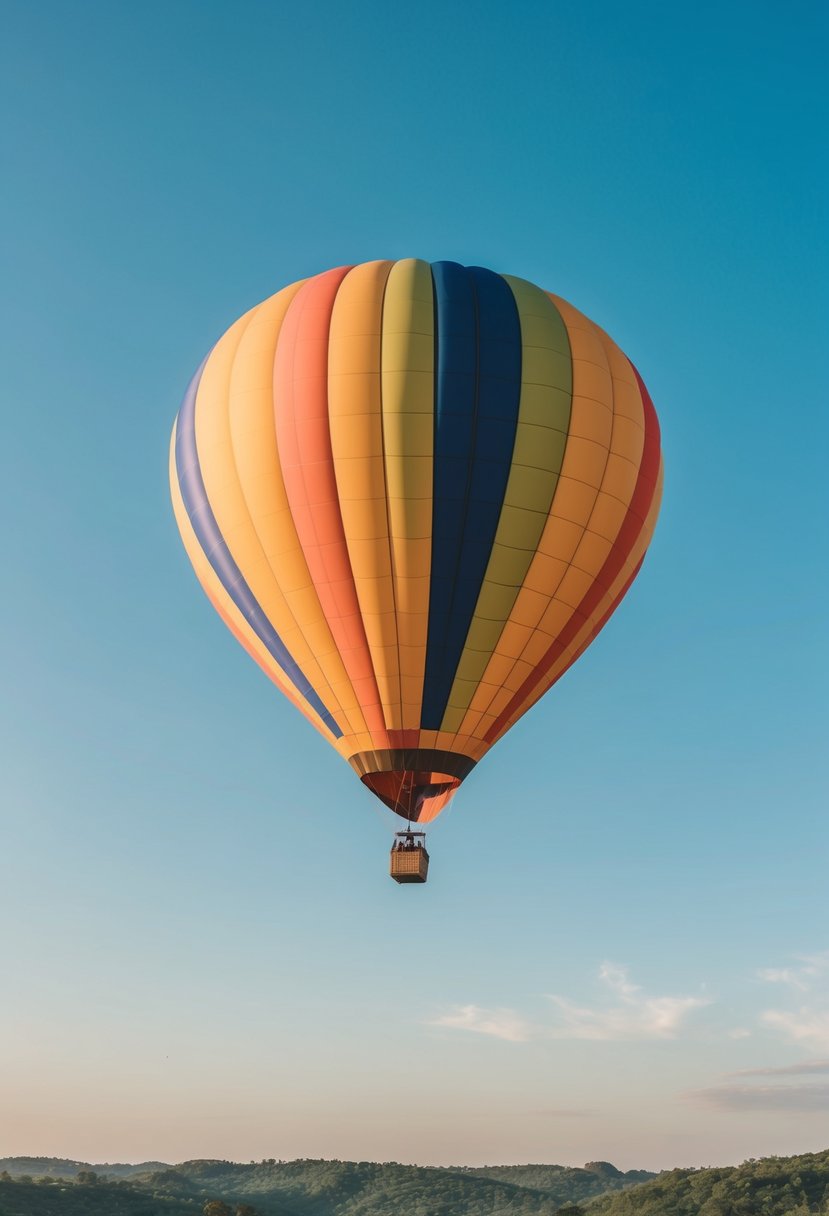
(408,860)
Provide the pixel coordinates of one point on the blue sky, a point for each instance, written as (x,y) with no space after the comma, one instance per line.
(203,955)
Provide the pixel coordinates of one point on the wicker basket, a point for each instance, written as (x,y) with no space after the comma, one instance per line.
(409,864)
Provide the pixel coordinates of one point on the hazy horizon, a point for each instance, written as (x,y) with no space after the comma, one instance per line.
(172,1163)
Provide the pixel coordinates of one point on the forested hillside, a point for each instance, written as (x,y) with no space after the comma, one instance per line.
(775,1186)
(64,1167)
(564,1183)
(300,1188)
(65,1197)
(347,1188)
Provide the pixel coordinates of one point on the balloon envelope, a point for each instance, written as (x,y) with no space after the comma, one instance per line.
(415,493)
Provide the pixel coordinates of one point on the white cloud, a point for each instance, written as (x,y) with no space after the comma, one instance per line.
(636,1016)
(809,1026)
(499,1023)
(809,1023)
(816,964)
(812,967)
(632,1014)
(616,977)
(783,975)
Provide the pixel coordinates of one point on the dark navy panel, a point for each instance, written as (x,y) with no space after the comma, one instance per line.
(206,528)
(477,393)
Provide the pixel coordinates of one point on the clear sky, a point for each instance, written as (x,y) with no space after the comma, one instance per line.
(622,951)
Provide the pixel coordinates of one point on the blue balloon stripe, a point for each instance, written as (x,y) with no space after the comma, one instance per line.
(194,497)
(477,393)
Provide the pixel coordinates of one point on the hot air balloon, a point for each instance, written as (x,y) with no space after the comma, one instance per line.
(415,493)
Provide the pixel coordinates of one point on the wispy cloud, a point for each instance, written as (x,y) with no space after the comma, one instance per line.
(803,1099)
(498,1023)
(629,1014)
(808,1024)
(635,1015)
(783,975)
(805,1067)
(811,967)
(773,1096)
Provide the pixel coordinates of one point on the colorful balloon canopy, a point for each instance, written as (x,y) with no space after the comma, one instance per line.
(415,493)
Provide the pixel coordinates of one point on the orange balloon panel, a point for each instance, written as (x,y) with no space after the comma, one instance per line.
(415,493)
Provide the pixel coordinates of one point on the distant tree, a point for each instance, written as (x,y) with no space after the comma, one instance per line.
(216,1207)
(5,1176)
(26,1178)
(244,1209)
(86,1177)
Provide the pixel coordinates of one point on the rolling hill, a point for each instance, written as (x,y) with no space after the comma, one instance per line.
(774,1186)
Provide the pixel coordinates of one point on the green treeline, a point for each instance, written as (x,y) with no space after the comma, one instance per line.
(792,1186)
(566,1185)
(773,1186)
(315,1188)
(24,1196)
